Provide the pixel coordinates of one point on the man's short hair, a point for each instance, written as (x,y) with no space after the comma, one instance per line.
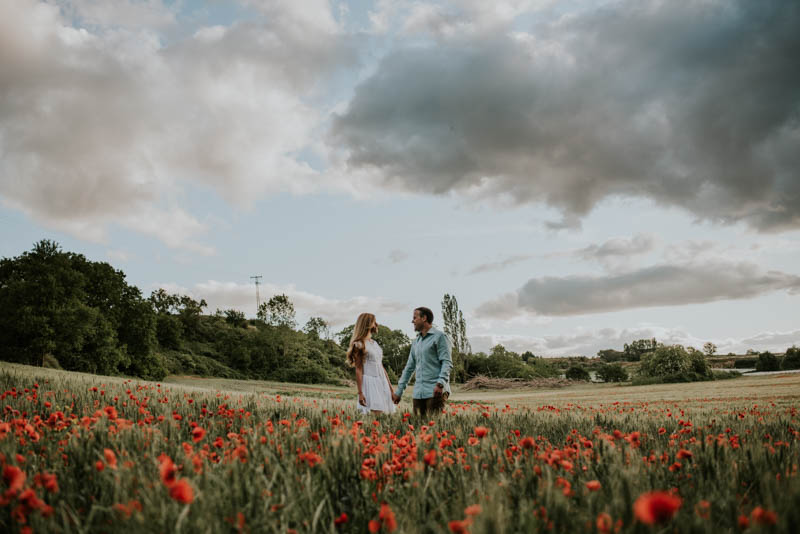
(425,313)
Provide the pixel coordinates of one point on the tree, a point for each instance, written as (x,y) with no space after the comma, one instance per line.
(455,327)
(278,311)
(665,361)
(791,360)
(709,348)
(767,362)
(576,372)
(82,313)
(611,355)
(235,318)
(612,373)
(634,351)
(318,327)
(527,356)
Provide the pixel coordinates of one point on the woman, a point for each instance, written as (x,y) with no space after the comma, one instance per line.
(374,386)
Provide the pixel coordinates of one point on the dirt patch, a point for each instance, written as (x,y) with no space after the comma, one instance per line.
(484,382)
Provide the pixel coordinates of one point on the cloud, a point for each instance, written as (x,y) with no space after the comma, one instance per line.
(398,256)
(499,265)
(691,104)
(123,13)
(618,247)
(108,126)
(659,285)
(338,312)
(589,342)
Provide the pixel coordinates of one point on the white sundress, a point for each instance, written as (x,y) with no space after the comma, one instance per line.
(374,384)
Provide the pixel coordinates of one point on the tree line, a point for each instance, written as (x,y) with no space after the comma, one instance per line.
(59,309)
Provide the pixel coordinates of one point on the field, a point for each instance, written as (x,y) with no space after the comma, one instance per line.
(84,453)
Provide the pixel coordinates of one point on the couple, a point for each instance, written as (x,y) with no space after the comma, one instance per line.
(429,358)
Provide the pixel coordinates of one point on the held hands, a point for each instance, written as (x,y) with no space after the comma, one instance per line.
(395,398)
(438,390)
(362,400)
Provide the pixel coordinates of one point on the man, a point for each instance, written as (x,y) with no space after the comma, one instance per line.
(430,359)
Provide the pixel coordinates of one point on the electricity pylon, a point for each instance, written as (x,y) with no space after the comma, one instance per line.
(258,297)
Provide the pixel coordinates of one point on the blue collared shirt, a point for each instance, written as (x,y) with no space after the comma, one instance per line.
(430,359)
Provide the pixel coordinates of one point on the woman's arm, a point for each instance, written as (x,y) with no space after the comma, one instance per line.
(387,379)
(362,400)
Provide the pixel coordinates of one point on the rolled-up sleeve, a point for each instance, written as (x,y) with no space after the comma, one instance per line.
(446,359)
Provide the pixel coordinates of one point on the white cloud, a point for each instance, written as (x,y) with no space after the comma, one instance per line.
(338,312)
(107,126)
(584,342)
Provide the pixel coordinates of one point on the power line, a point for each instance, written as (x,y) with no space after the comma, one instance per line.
(258,297)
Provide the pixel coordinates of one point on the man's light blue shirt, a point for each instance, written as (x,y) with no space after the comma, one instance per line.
(430,359)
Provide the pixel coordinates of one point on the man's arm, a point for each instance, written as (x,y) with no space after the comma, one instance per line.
(408,370)
(446,359)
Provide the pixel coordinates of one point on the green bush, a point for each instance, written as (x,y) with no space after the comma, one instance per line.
(768,362)
(612,373)
(673,363)
(724,375)
(791,360)
(169,331)
(577,373)
(745,363)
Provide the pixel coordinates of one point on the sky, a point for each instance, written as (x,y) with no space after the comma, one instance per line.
(579,174)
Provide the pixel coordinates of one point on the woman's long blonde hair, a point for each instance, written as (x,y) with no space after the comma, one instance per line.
(355,352)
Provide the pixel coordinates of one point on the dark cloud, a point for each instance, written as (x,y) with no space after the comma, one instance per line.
(692,104)
(660,285)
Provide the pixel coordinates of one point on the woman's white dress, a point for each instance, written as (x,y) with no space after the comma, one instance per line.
(374,383)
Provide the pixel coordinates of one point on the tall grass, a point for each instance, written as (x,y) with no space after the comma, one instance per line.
(267,463)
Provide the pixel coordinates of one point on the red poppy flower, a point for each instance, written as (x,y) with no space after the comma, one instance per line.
(459,527)
(198,434)
(656,507)
(99,465)
(474,509)
(593,485)
(481,431)
(181,491)
(527,443)
(764,517)
(341,520)
(14,477)
(430,457)
(167,470)
(387,516)
(374,526)
(603,523)
(111,458)
(743,522)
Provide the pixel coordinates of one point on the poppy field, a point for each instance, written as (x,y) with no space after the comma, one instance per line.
(83,453)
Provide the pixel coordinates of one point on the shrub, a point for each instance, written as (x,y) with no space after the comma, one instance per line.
(768,362)
(699,365)
(50,361)
(745,363)
(612,373)
(577,373)
(791,360)
(666,361)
